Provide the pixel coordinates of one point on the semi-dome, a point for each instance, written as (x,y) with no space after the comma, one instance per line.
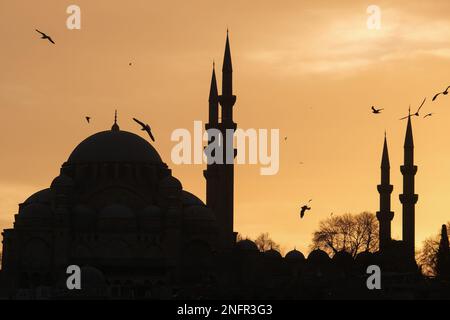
(114,146)
(294,255)
(35,210)
(62,181)
(43,196)
(188,199)
(199,213)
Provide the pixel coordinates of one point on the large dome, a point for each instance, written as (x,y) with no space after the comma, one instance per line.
(114,146)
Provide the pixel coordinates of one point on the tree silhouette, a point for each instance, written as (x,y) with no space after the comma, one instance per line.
(427,257)
(263,242)
(348,232)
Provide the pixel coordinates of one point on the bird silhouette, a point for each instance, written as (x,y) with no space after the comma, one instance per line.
(445,92)
(88,119)
(145,127)
(304,208)
(417,112)
(376,111)
(428,115)
(45,37)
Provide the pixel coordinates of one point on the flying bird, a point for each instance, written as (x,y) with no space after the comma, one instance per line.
(88,119)
(428,115)
(145,127)
(376,111)
(445,92)
(417,112)
(45,37)
(304,208)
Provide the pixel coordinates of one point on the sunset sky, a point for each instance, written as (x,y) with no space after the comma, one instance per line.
(309,68)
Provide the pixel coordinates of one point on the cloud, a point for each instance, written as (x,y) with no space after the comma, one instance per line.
(345,44)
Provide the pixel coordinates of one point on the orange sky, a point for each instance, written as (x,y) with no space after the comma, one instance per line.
(310,68)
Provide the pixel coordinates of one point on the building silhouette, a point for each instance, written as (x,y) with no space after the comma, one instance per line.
(405,249)
(117,211)
(220,176)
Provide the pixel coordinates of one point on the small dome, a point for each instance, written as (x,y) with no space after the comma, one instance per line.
(62,181)
(35,210)
(116,211)
(343,258)
(295,255)
(318,256)
(188,199)
(246,245)
(44,197)
(199,213)
(364,258)
(114,146)
(272,253)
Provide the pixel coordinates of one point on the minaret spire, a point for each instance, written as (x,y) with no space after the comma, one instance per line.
(227,70)
(408,198)
(385,215)
(213,99)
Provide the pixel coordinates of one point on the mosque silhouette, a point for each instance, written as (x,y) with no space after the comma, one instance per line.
(116,211)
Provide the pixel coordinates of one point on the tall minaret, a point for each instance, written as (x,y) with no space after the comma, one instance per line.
(409,198)
(211,173)
(385,188)
(220,177)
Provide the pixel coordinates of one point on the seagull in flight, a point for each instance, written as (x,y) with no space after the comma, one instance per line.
(88,119)
(376,111)
(416,113)
(445,92)
(304,208)
(428,115)
(145,127)
(45,37)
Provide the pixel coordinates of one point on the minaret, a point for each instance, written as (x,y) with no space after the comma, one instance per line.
(443,256)
(409,198)
(385,188)
(211,173)
(220,177)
